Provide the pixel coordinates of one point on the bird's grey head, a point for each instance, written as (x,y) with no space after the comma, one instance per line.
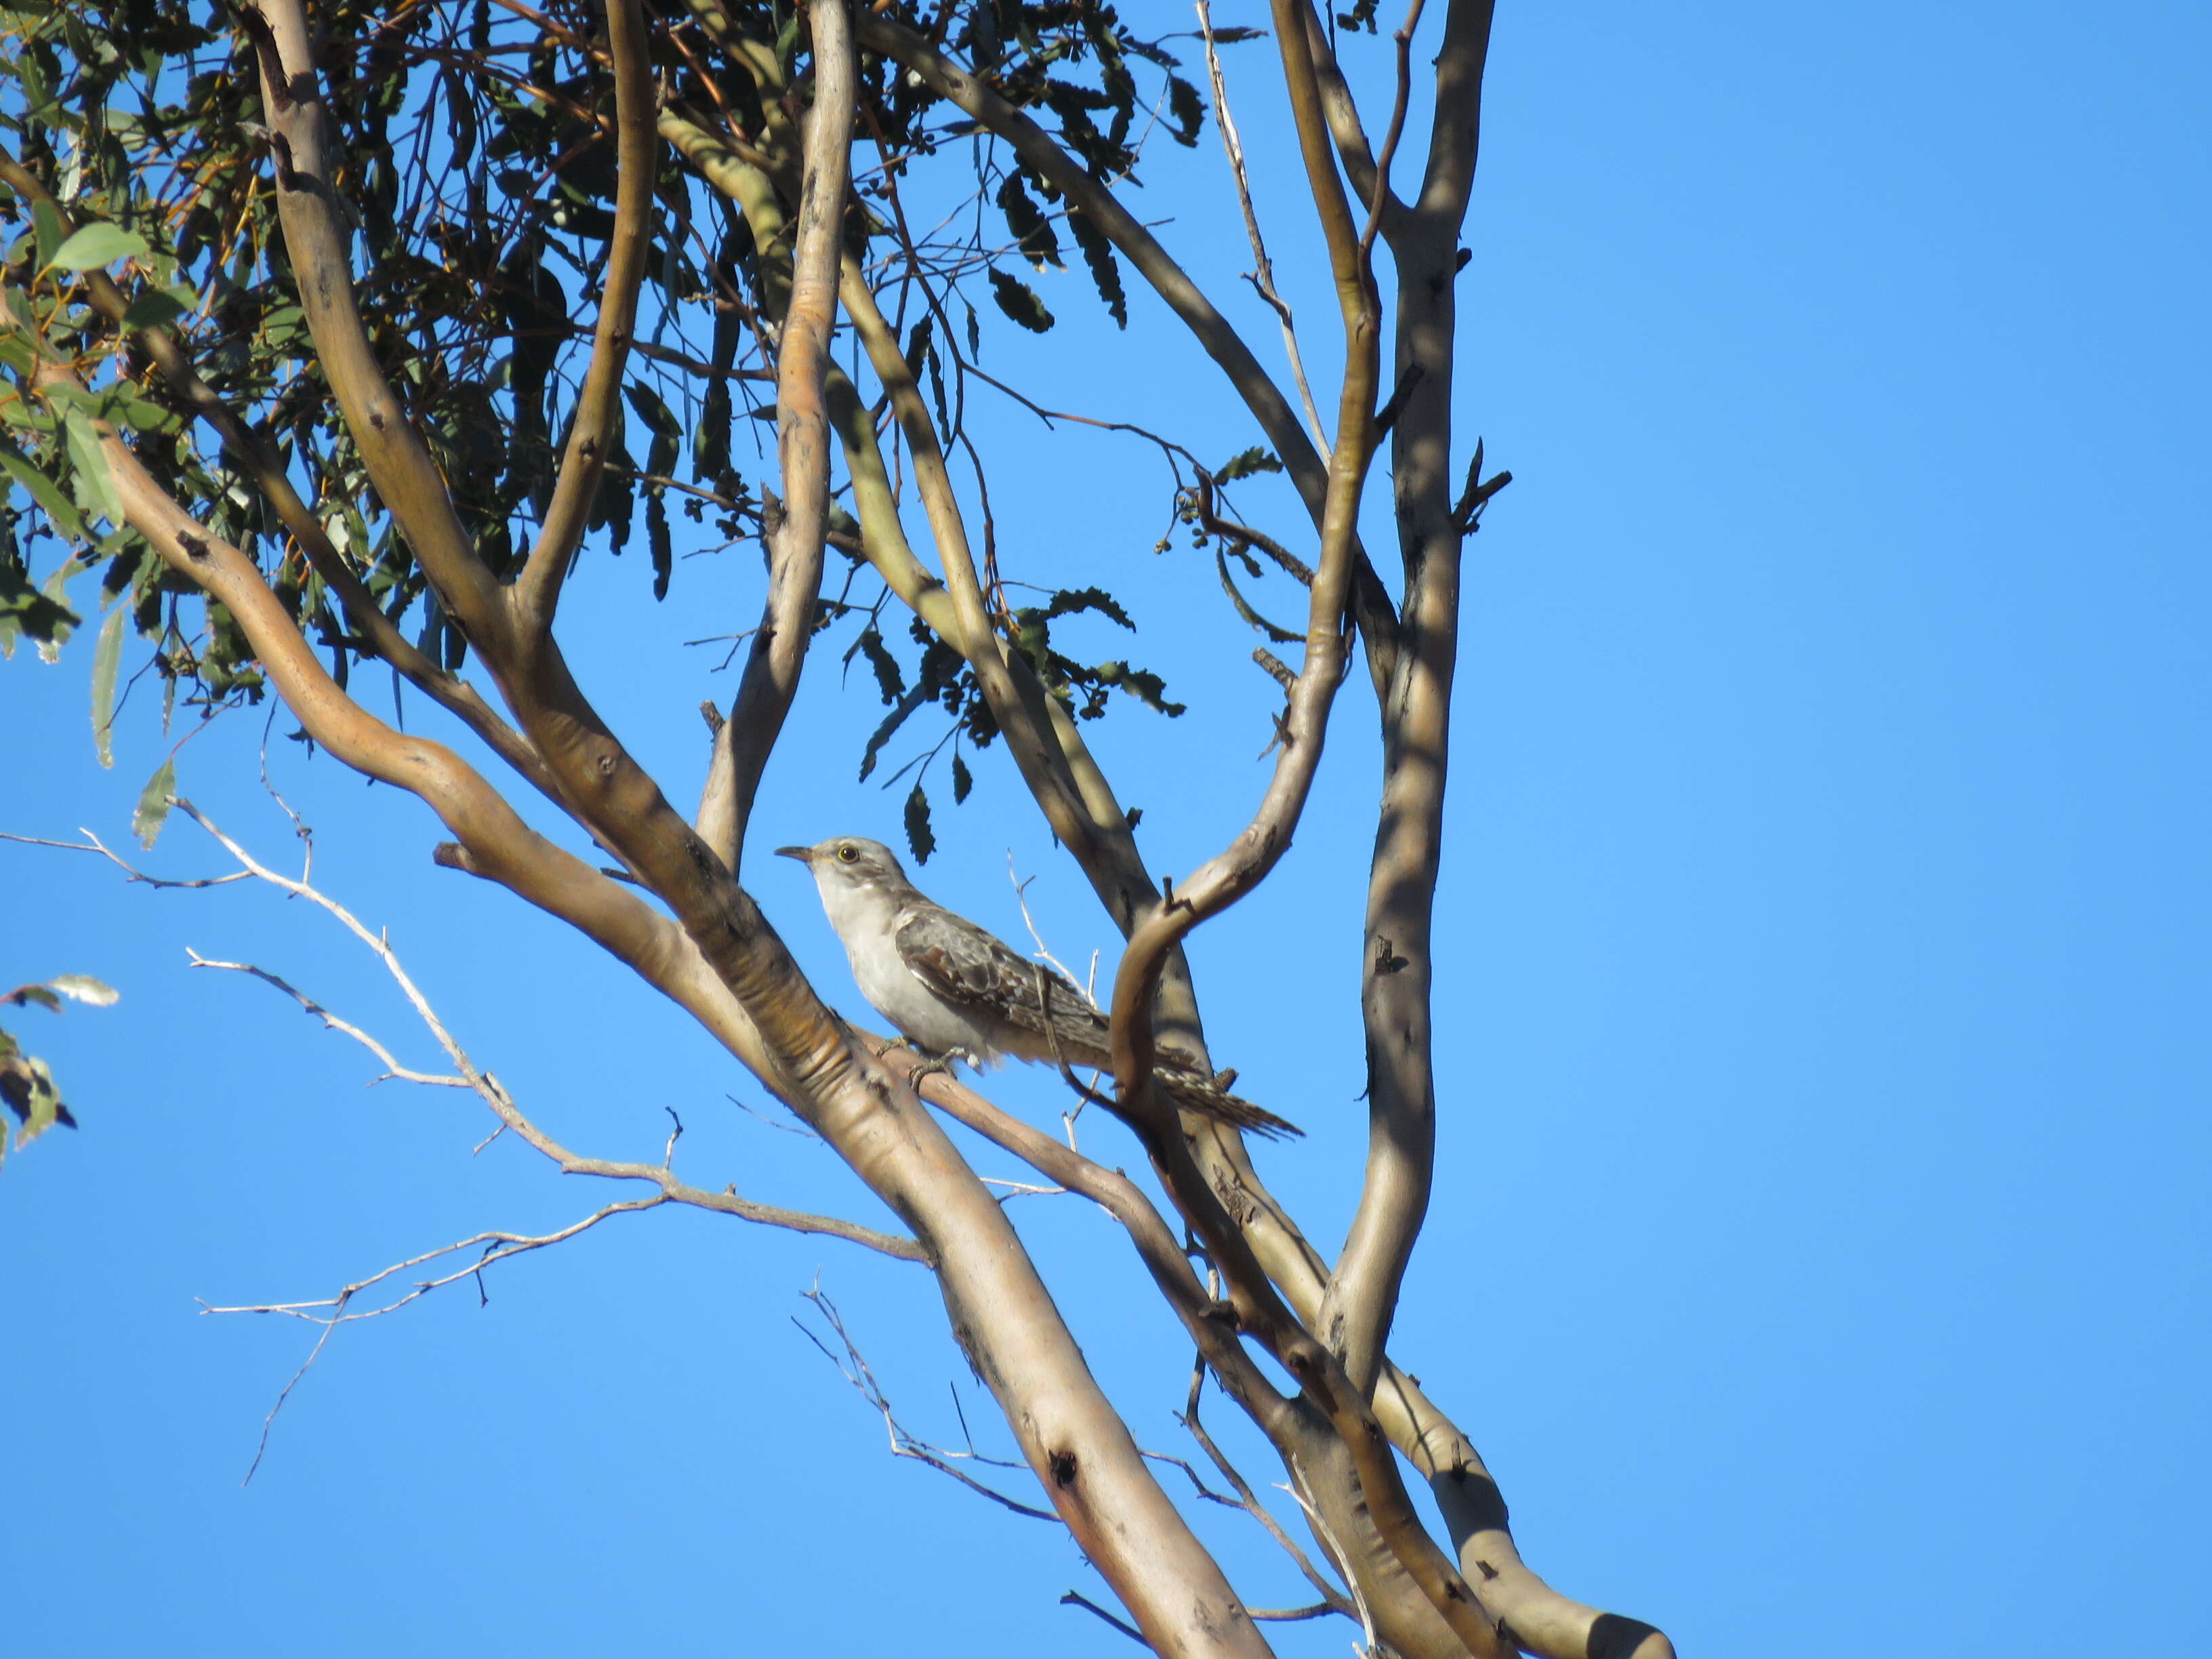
(848,863)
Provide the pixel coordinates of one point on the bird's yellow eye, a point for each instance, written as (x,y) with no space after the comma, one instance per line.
(848,853)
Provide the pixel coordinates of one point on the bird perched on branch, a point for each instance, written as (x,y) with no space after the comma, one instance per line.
(954,989)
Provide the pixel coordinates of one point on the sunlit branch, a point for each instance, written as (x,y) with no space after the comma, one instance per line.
(795,533)
(597,422)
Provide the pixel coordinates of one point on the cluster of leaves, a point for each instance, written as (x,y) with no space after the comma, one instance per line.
(477,159)
(26,1085)
(943,681)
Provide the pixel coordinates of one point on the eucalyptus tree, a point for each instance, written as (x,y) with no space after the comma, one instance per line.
(600,240)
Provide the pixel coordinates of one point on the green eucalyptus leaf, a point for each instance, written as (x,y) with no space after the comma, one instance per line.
(47,226)
(154,803)
(55,591)
(25,610)
(156,308)
(92,470)
(47,493)
(106,661)
(1245,463)
(94,246)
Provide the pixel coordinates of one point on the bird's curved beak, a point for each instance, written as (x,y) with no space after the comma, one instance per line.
(804,855)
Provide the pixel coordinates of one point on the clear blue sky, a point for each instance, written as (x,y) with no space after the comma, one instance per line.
(1821,1239)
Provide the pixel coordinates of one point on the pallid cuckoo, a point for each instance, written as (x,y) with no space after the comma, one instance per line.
(954,989)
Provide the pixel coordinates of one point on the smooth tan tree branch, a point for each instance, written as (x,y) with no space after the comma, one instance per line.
(597,423)
(1398,944)
(1366,1504)
(1355,293)
(795,537)
(318,238)
(1378,197)
(1235,872)
(1342,113)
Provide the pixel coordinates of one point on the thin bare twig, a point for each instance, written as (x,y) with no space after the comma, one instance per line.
(1087,1094)
(1076,1599)
(1262,275)
(1044,951)
(393,1068)
(1247,1499)
(1336,1552)
(799,1129)
(93,843)
(853,1367)
(500,1246)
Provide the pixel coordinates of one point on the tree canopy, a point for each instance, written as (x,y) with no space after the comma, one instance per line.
(336,339)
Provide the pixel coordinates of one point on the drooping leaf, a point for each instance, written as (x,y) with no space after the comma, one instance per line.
(889,724)
(1019,301)
(94,246)
(1279,635)
(28,1088)
(1032,230)
(656,533)
(962,781)
(47,229)
(55,591)
(25,610)
(1147,687)
(918,833)
(890,680)
(1185,108)
(667,431)
(91,464)
(84,987)
(1070,600)
(153,810)
(1099,254)
(59,510)
(106,661)
(1245,463)
(154,308)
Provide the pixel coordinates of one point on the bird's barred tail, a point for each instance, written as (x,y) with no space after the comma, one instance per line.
(1210,1098)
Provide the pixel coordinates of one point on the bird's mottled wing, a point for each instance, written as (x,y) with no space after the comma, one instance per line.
(1007,994)
(975,971)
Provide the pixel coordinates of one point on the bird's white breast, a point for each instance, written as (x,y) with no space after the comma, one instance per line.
(866,920)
